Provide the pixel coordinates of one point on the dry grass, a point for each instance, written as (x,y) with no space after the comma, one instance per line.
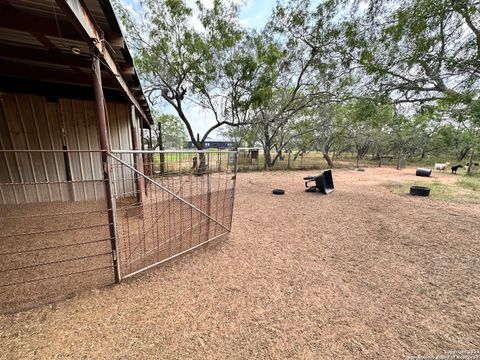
(363,273)
(463,189)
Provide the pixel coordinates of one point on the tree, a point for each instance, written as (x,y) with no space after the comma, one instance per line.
(192,58)
(240,136)
(169,133)
(422,51)
(455,138)
(305,72)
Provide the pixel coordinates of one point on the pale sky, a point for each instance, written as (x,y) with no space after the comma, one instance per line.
(254,14)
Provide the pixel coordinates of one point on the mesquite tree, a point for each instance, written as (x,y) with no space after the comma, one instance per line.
(194,58)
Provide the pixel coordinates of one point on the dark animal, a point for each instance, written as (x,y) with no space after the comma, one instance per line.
(475,163)
(455,168)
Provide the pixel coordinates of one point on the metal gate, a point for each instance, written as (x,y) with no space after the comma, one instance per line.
(167,203)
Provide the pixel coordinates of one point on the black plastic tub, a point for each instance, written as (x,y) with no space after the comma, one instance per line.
(423,172)
(419,190)
(324,182)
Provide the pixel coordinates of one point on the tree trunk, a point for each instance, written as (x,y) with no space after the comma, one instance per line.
(203,167)
(268,159)
(423,154)
(462,154)
(325,148)
(328,159)
(399,159)
(266,147)
(470,163)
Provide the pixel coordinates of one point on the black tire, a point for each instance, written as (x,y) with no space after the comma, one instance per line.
(419,191)
(278,191)
(311,189)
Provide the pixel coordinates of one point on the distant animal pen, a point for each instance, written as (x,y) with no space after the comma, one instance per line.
(61,234)
(253,159)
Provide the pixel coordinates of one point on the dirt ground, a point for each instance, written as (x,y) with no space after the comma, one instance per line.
(362,273)
(51,251)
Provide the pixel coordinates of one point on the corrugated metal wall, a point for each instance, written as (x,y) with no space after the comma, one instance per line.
(30,122)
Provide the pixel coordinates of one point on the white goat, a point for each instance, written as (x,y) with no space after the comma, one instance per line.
(441,167)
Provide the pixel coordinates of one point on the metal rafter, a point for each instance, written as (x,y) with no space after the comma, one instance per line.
(93,34)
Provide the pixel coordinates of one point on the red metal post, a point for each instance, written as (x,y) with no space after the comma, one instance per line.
(104,146)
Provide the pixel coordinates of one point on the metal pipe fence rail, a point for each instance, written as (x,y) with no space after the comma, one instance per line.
(55,237)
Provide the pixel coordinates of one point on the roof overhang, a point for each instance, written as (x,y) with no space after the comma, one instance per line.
(48,46)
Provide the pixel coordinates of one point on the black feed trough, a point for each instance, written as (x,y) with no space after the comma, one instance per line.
(423,172)
(419,190)
(323,182)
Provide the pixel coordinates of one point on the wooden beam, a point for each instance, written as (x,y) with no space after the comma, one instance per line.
(127,69)
(34,24)
(29,71)
(25,22)
(45,56)
(56,90)
(115,40)
(85,24)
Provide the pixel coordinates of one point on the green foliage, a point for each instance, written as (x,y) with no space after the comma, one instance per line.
(192,56)
(388,78)
(173,131)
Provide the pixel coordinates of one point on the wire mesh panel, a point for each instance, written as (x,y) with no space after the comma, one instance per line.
(179,201)
(54,232)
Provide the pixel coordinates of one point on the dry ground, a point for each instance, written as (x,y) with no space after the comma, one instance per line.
(363,273)
(53,251)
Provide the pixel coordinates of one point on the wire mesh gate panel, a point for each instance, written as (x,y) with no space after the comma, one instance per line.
(185,201)
(54,228)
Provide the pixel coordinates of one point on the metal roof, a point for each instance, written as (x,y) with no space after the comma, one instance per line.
(40,44)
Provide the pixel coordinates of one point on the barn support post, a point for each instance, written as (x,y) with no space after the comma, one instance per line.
(136,156)
(104,146)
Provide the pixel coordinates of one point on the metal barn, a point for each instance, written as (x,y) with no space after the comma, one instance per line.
(82,203)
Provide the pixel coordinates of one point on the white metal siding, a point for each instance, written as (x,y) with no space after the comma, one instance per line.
(30,122)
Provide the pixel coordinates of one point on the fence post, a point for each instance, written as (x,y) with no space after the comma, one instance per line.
(235,168)
(136,162)
(288,162)
(209,194)
(104,146)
